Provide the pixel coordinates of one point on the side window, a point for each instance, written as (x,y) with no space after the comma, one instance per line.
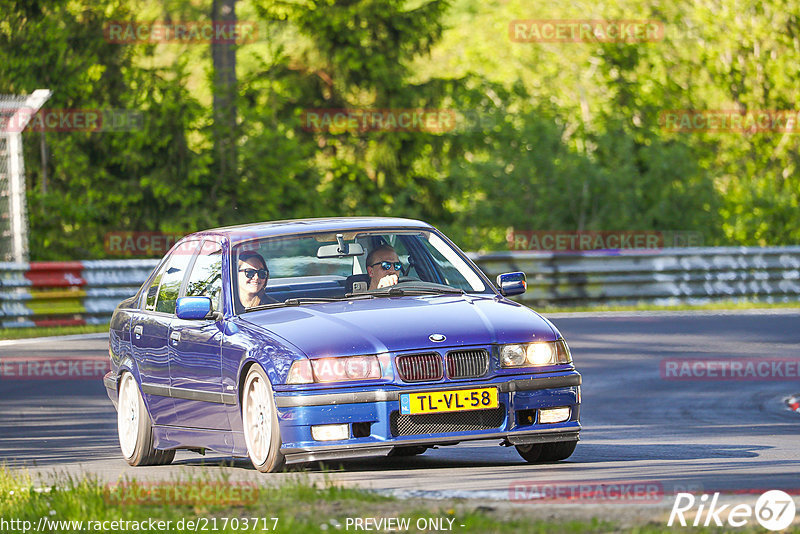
(206,277)
(173,277)
(448,262)
(152,291)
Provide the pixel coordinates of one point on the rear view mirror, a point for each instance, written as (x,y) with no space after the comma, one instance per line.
(512,284)
(340,250)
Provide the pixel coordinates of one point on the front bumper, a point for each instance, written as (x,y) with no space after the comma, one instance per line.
(376,425)
(110,383)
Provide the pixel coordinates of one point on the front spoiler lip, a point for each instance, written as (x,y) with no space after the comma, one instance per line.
(382,395)
(336,452)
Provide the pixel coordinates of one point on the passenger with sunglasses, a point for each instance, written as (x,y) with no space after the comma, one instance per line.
(383,267)
(253,276)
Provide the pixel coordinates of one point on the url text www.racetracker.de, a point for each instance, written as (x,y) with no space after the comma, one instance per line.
(196,524)
(228,524)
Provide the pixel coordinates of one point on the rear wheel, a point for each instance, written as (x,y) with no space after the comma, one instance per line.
(560,450)
(135,428)
(260,420)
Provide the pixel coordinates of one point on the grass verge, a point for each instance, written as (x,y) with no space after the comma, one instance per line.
(45,331)
(296,505)
(71,506)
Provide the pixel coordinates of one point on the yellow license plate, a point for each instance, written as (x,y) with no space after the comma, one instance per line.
(448,401)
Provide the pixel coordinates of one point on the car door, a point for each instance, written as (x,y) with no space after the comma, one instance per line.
(194,349)
(150,329)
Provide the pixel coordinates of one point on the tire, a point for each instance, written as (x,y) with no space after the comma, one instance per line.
(560,450)
(531,453)
(260,422)
(135,429)
(411,450)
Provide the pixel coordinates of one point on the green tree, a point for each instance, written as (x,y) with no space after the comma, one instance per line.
(143,178)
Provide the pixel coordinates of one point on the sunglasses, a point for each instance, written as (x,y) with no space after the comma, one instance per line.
(388,265)
(250,273)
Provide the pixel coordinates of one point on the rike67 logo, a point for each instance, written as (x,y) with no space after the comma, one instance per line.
(774,510)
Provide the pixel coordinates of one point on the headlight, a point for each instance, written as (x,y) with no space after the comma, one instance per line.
(535,354)
(540,353)
(512,355)
(334,369)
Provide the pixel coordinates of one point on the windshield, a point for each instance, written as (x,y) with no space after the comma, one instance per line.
(349,265)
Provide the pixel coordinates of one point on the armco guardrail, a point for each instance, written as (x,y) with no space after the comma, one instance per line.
(662,276)
(67,293)
(86,292)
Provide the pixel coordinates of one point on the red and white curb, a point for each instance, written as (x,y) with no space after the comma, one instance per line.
(793,403)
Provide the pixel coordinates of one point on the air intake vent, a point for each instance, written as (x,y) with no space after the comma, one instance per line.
(419,367)
(442,423)
(467,363)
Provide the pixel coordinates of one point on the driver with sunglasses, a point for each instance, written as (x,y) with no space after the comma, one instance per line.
(253,276)
(383,266)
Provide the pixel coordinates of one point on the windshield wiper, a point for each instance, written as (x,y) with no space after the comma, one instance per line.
(395,291)
(308,300)
(305,300)
(392,291)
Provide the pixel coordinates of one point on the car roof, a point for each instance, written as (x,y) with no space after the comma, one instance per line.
(303,226)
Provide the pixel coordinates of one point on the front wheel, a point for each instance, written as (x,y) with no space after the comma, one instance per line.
(135,428)
(410,450)
(560,450)
(260,420)
(530,452)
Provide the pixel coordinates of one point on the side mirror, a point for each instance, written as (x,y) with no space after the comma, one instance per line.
(512,284)
(194,308)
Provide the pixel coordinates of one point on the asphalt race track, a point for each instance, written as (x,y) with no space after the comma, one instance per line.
(701,435)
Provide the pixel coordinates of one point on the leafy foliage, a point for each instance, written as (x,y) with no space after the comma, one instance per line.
(547,136)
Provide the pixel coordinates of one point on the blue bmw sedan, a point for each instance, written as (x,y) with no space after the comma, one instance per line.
(320,339)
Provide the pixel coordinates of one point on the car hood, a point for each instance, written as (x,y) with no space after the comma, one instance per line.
(401,324)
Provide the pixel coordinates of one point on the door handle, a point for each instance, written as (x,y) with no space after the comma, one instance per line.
(175,337)
(137,331)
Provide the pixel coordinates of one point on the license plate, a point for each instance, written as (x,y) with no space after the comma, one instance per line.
(459,400)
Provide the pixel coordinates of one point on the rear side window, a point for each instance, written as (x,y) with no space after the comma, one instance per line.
(206,277)
(152,291)
(163,292)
